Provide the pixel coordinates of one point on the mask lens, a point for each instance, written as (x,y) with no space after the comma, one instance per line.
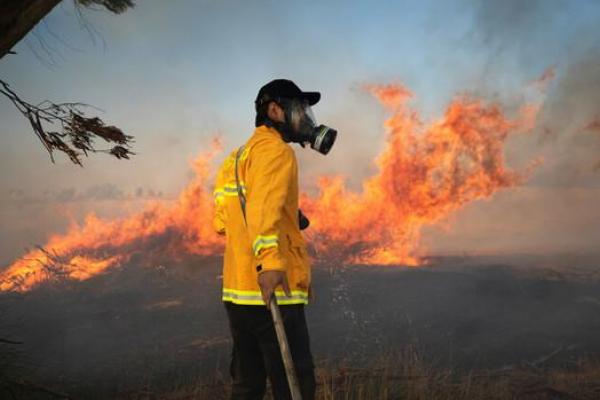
(296,113)
(302,117)
(308,112)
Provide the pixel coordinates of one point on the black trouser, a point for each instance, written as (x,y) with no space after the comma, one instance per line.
(256,352)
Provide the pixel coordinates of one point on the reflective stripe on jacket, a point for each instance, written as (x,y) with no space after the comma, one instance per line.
(269,238)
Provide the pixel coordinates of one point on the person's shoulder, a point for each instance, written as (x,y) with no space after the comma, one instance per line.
(229,162)
(267,145)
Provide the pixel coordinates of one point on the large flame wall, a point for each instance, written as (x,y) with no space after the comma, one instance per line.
(425,172)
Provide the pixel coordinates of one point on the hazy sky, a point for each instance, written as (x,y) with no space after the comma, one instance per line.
(175,73)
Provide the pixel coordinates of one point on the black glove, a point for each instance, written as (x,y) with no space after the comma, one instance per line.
(303,222)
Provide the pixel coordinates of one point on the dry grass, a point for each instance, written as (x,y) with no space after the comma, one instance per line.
(409,378)
(405,375)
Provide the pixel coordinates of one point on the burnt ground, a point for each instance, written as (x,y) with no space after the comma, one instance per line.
(140,327)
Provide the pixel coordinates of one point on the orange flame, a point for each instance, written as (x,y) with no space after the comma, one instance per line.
(426,172)
(87,250)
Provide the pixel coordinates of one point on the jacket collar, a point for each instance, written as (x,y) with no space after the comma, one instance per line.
(268,131)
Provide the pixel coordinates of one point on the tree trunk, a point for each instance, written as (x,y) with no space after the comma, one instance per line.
(18,17)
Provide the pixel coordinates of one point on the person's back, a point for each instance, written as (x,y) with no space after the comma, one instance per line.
(268,238)
(256,197)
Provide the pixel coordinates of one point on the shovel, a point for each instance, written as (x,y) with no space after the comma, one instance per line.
(286,355)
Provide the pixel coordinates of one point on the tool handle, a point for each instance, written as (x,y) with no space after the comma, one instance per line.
(286,355)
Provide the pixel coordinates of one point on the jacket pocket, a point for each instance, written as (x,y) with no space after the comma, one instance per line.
(296,250)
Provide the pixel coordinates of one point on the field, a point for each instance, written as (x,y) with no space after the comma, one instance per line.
(459,328)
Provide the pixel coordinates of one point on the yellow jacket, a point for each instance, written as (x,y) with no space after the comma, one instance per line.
(269,239)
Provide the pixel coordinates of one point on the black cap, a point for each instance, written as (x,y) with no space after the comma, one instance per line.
(285,88)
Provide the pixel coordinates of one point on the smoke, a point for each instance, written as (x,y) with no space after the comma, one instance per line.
(515,35)
(569,119)
(554,44)
(513,23)
(94,193)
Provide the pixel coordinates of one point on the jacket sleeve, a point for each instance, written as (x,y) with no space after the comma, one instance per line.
(270,175)
(220,215)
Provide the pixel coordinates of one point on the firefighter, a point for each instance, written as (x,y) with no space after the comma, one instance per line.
(256,197)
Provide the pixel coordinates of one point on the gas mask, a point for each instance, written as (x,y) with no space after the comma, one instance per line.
(301,127)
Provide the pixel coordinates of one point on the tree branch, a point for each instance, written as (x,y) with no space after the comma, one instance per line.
(18,17)
(77,133)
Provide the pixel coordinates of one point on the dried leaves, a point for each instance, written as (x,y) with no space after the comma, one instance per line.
(77,132)
(115,6)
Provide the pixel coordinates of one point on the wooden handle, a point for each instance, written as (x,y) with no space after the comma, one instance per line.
(288,363)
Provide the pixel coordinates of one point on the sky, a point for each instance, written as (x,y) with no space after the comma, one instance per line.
(175,74)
